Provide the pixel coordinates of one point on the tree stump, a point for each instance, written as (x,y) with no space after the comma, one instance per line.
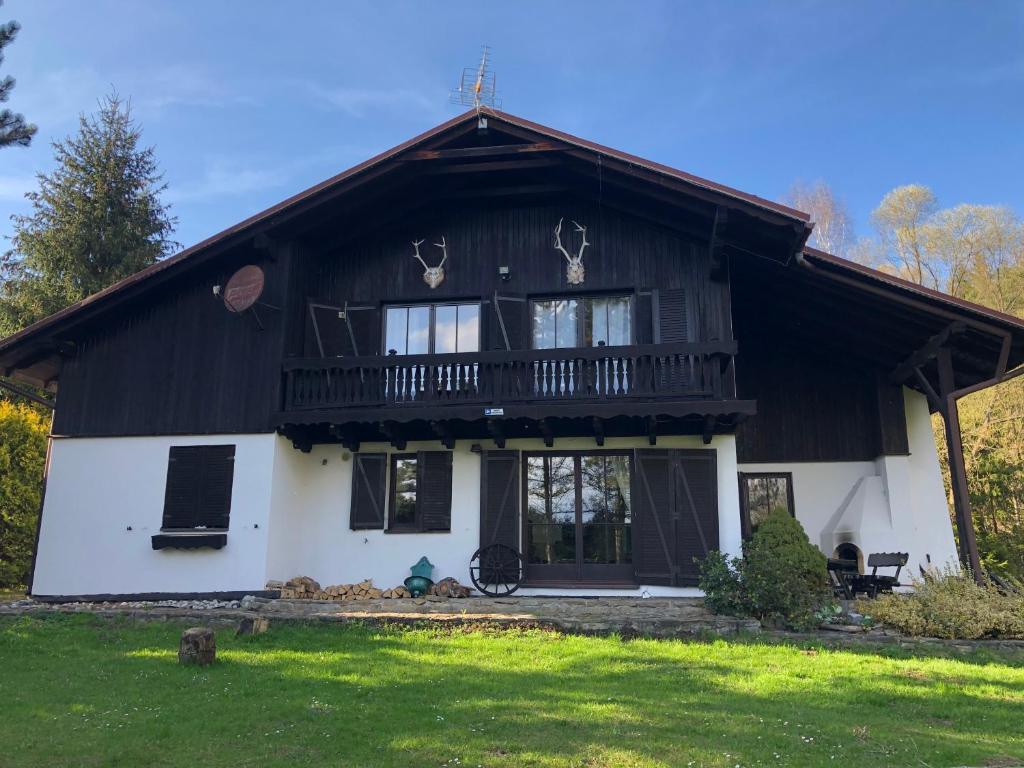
(198,646)
(253,625)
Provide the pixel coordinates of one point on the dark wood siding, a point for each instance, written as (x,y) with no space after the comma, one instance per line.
(812,408)
(626,254)
(179,363)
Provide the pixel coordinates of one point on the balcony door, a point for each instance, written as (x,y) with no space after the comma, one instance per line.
(578,518)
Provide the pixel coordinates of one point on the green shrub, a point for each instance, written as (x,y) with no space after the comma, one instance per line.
(781,580)
(723,589)
(785,577)
(22,455)
(951,605)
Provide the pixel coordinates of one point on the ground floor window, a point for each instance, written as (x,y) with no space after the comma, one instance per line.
(761,493)
(198,490)
(578,515)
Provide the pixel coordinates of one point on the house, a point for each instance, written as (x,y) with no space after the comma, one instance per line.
(498,333)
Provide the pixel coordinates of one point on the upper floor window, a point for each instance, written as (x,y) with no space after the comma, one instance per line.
(589,321)
(427,329)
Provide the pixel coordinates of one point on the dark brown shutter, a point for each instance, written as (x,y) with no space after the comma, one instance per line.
(653,518)
(328,333)
(675,511)
(696,489)
(434,490)
(369,488)
(511,328)
(199,482)
(673,320)
(499,498)
(643,317)
(364,328)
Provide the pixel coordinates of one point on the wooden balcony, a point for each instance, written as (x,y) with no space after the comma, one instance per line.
(599,382)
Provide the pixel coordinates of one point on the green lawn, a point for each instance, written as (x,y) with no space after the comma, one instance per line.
(78,691)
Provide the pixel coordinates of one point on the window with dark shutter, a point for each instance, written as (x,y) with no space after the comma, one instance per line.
(499,498)
(198,490)
(421,492)
(510,327)
(675,514)
(435,490)
(643,313)
(344,330)
(369,487)
(673,319)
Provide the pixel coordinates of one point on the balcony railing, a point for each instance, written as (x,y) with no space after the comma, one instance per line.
(651,371)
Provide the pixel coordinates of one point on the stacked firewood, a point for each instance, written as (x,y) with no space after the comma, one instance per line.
(449,587)
(305,588)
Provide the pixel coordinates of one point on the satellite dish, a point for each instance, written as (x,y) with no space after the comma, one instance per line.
(244,288)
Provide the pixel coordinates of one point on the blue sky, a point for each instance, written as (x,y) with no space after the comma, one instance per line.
(249,102)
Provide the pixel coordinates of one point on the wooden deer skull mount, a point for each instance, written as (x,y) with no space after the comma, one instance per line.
(574,272)
(432,276)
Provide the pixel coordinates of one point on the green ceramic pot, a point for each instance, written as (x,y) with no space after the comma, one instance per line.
(418,585)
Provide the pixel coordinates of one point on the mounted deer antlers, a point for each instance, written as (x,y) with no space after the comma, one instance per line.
(574,272)
(432,276)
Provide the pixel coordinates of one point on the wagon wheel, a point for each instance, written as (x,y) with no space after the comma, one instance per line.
(497,570)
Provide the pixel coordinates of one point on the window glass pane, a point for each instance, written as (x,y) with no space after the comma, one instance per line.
(469,328)
(536,489)
(765,495)
(619,322)
(565,323)
(405,492)
(446,329)
(606,513)
(397,318)
(553,544)
(595,322)
(419,331)
(543,324)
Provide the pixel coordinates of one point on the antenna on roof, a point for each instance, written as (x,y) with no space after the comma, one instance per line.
(477,87)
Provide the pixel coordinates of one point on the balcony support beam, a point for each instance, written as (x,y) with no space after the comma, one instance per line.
(393,433)
(547,432)
(444,434)
(496,432)
(598,431)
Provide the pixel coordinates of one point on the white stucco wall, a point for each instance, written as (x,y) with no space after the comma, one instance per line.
(99,488)
(309,520)
(891,504)
(290,513)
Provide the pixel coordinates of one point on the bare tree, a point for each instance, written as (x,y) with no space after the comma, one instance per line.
(833,228)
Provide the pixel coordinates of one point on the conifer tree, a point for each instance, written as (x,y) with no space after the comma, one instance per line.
(95,219)
(13,128)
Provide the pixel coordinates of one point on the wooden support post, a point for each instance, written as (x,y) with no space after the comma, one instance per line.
(391,431)
(957,470)
(444,434)
(709,429)
(494,427)
(547,433)
(599,431)
(652,430)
